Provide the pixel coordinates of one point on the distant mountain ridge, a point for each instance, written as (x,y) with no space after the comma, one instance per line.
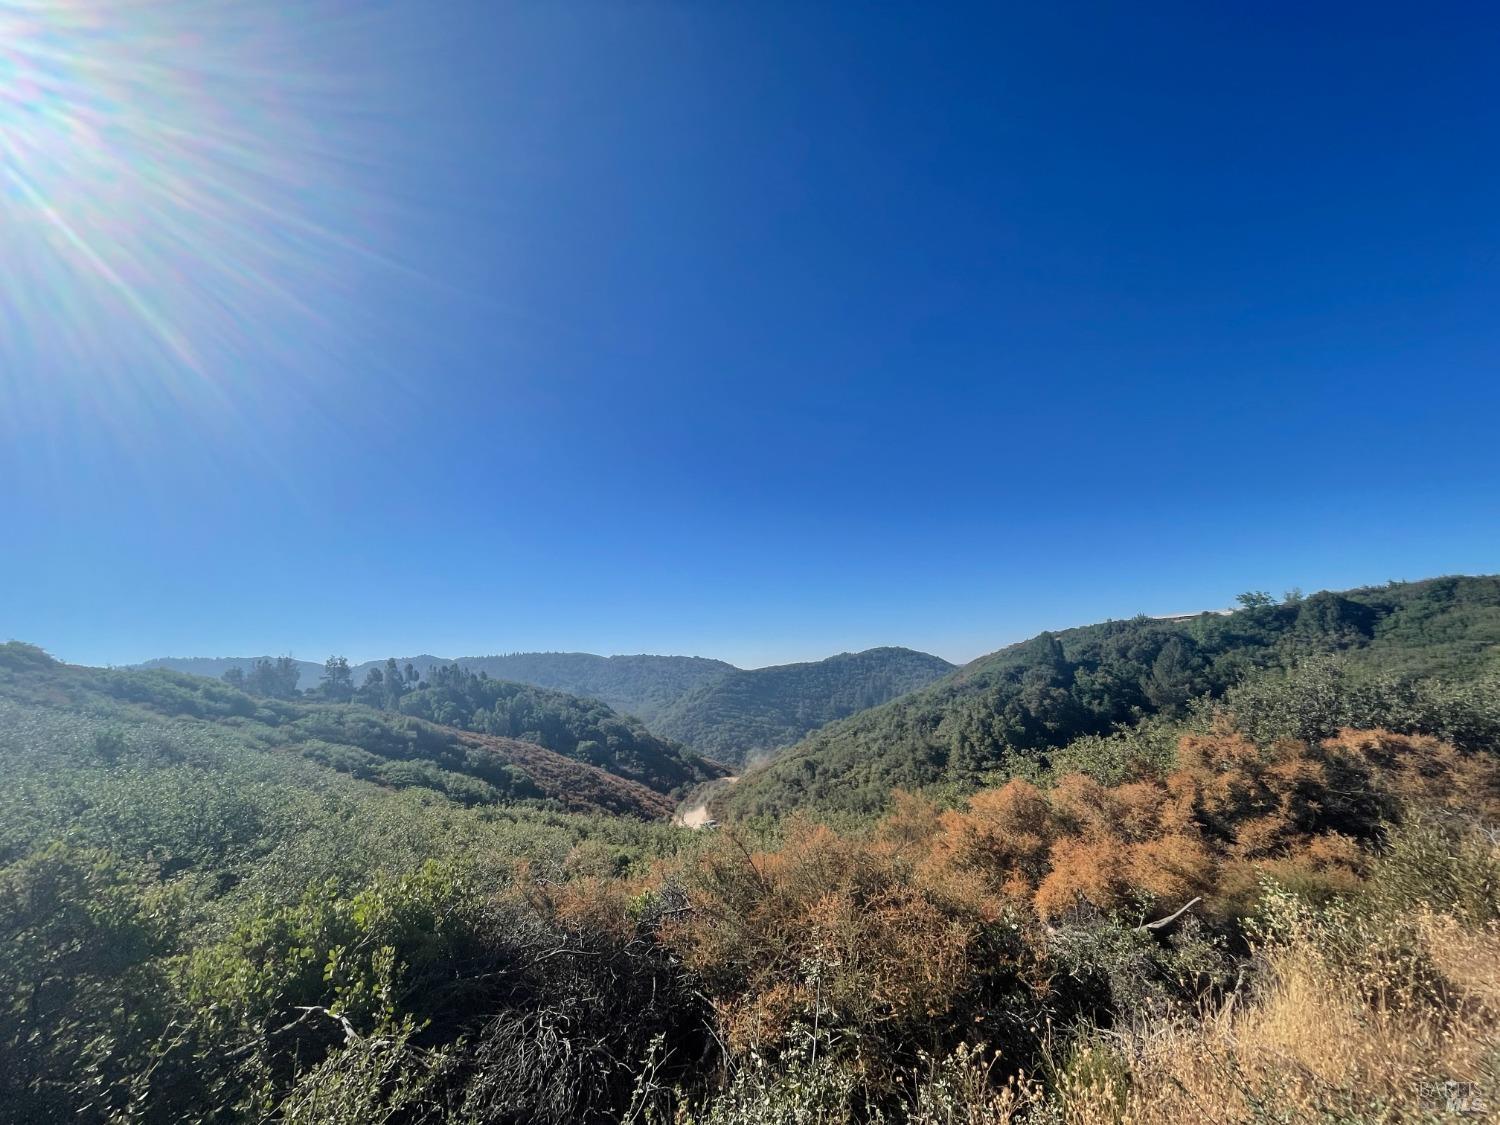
(747,714)
(214,667)
(710,706)
(642,686)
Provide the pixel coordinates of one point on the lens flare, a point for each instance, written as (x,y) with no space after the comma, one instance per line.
(182,206)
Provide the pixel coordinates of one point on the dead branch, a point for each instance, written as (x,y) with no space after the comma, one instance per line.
(1162,923)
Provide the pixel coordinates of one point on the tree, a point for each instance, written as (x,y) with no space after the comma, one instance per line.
(261,679)
(276,679)
(1255,599)
(235,677)
(372,691)
(395,685)
(338,679)
(1049,652)
(287,675)
(1171,681)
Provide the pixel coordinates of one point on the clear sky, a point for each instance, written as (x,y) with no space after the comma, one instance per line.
(759,331)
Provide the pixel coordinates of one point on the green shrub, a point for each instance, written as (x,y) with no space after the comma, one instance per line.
(81,987)
(1321,696)
(1104,969)
(1450,864)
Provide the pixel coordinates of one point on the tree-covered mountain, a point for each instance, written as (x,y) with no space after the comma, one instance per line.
(746,713)
(1022,701)
(634,685)
(570,753)
(583,729)
(642,686)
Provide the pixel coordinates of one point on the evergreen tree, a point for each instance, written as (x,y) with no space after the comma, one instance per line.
(395,685)
(276,679)
(338,679)
(372,691)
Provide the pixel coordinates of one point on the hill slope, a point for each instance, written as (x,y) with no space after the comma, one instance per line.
(642,686)
(1040,694)
(583,729)
(396,751)
(747,713)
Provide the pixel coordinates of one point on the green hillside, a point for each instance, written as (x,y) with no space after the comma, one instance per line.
(583,729)
(159,832)
(744,714)
(642,686)
(1016,704)
(611,772)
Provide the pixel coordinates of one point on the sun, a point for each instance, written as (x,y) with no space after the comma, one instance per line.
(173,198)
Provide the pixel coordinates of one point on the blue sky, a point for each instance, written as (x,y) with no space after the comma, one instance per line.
(759,331)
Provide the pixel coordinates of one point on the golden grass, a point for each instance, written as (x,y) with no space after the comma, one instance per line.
(1405,1029)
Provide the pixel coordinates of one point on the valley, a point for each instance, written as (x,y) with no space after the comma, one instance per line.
(442,895)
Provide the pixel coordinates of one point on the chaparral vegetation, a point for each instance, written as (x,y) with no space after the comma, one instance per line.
(1238,868)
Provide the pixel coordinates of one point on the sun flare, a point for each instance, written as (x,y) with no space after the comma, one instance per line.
(171,197)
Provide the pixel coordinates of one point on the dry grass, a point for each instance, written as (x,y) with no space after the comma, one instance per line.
(1393,1021)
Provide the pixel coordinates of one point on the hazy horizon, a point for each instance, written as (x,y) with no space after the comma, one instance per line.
(811,655)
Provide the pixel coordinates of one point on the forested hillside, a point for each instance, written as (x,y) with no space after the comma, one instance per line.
(584,729)
(714,708)
(633,685)
(744,714)
(613,771)
(147,814)
(1017,704)
(217,907)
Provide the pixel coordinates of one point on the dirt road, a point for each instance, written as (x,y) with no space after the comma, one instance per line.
(697,816)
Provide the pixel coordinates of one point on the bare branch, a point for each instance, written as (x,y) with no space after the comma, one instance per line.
(1162,923)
